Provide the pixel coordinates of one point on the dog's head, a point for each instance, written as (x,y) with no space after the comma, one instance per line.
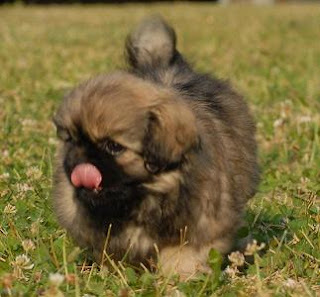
(119,131)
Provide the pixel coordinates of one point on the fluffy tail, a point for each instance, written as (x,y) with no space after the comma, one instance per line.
(151,44)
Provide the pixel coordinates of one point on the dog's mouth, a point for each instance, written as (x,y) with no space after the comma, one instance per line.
(88,176)
(108,199)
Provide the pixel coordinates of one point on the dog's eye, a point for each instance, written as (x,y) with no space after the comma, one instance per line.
(64,134)
(153,167)
(113,148)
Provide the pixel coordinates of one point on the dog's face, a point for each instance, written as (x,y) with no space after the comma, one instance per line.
(119,132)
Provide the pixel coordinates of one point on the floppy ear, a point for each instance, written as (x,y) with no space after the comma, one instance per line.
(171,132)
(67,115)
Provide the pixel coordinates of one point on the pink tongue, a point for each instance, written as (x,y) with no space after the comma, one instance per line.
(86,175)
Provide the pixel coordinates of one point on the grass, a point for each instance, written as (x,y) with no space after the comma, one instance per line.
(271,54)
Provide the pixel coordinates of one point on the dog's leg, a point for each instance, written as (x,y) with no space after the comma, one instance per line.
(187,261)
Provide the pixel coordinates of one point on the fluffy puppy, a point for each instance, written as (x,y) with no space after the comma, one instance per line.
(157,156)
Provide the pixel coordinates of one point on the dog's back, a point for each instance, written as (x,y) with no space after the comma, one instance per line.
(152,54)
(223,174)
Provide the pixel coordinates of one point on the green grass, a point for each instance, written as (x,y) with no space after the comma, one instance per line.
(271,54)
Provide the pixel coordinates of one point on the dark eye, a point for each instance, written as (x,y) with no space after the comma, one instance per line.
(152,167)
(64,134)
(113,148)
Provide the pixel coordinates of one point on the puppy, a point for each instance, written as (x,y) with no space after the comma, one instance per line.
(155,163)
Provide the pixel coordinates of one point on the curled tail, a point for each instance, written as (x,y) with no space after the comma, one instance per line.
(151,44)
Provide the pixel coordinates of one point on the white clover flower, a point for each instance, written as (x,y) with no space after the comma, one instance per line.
(24,188)
(231,271)
(23,261)
(4,176)
(20,264)
(9,209)
(278,123)
(34,172)
(28,245)
(56,279)
(4,192)
(253,247)
(290,284)
(304,119)
(5,153)
(28,122)
(236,259)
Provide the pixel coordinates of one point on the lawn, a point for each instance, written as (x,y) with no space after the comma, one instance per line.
(270,54)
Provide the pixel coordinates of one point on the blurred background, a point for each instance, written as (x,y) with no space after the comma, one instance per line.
(268,49)
(153,1)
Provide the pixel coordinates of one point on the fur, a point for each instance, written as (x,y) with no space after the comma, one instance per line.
(188,168)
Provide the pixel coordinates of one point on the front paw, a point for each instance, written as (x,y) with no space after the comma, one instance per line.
(185,261)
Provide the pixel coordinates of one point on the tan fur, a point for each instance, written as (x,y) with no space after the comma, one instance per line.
(132,164)
(178,130)
(185,260)
(213,154)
